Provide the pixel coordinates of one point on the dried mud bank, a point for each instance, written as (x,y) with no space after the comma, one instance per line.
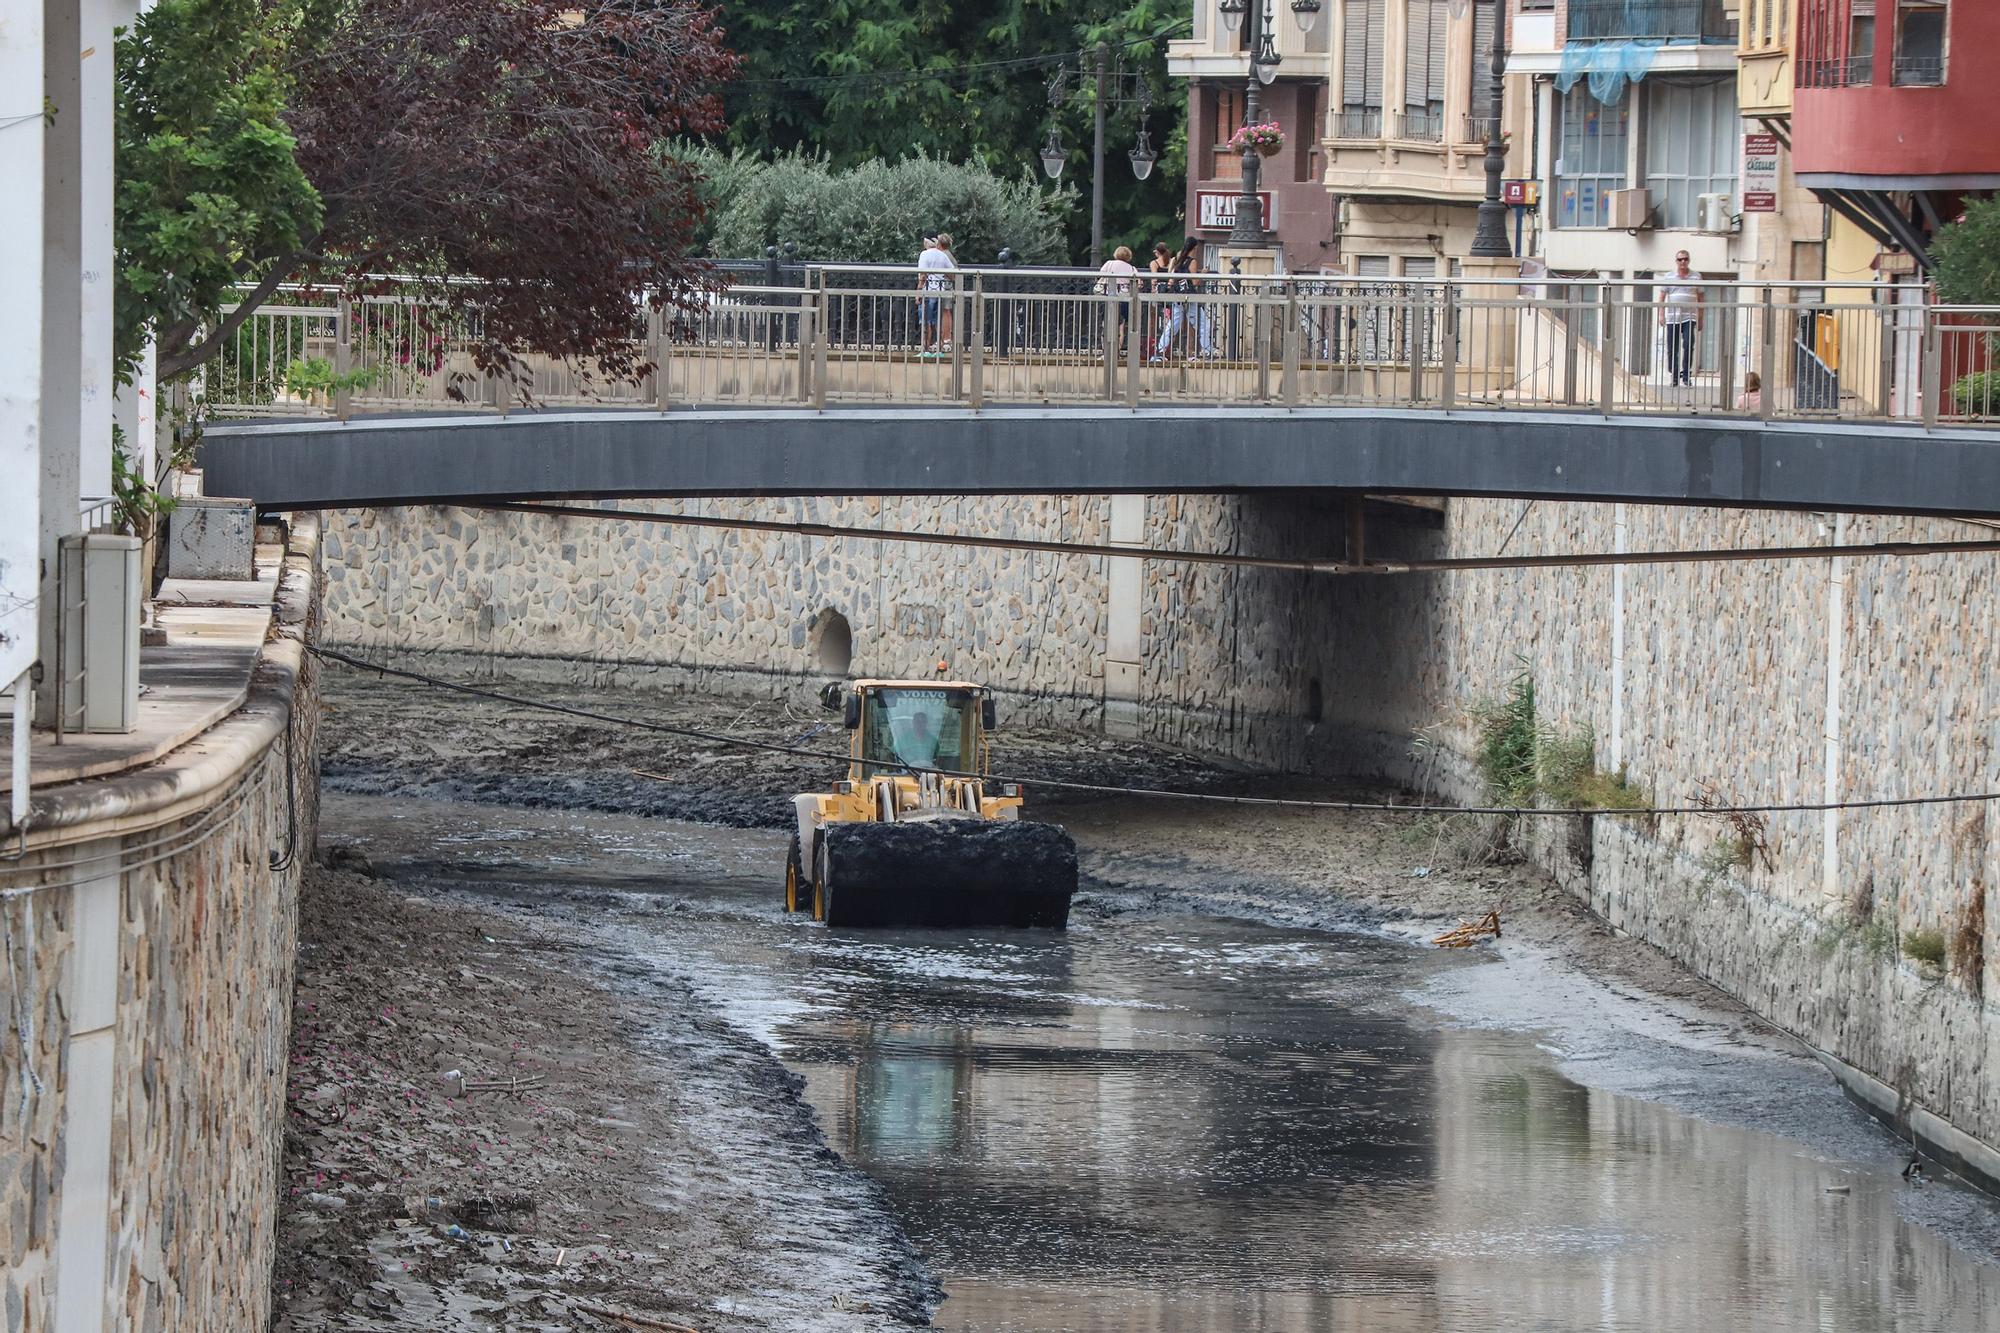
(486,1129)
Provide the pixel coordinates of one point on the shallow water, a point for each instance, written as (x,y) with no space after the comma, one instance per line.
(1174,1122)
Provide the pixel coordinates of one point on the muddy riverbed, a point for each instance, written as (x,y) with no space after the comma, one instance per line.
(1237,1094)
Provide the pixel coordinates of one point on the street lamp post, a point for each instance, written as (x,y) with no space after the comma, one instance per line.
(1489,237)
(1248,228)
(1108,93)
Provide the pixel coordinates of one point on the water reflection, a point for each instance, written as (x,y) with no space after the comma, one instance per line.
(1238,1142)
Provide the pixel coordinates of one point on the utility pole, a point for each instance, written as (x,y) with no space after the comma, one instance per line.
(1097,168)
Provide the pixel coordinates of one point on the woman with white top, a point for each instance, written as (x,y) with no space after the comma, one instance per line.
(1115,279)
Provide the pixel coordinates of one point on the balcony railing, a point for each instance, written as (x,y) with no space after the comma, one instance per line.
(1358,122)
(1421,126)
(1918,71)
(1476,129)
(845,334)
(1650,20)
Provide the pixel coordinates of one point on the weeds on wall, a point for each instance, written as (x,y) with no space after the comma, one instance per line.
(1747,842)
(1968,941)
(1527,761)
(1925,947)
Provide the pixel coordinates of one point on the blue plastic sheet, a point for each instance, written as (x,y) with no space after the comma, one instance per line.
(1608,65)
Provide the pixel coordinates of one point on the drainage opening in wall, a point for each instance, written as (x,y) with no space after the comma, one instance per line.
(1315,701)
(832,642)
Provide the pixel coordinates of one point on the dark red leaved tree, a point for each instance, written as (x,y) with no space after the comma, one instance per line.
(506,157)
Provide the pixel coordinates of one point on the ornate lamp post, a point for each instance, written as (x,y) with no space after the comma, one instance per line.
(1248,229)
(1111,90)
(1489,237)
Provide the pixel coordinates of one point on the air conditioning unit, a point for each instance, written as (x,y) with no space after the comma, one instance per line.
(1631,210)
(1714,214)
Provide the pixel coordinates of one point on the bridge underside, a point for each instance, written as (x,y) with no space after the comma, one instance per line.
(1060,451)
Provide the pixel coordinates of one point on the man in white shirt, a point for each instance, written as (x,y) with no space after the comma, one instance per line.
(934,306)
(1680,312)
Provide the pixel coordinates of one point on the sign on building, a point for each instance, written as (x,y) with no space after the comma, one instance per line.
(1215,210)
(1760,173)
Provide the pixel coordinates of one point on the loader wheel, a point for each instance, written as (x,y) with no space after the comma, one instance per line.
(822,891)
(795,880)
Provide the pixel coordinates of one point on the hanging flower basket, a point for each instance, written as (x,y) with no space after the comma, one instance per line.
(1266,138)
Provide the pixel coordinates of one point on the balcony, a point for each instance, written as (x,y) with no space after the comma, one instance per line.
(1421,126)
(1706,21)
(1358,122)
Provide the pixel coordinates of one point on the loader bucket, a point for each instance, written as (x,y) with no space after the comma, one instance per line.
(948,872)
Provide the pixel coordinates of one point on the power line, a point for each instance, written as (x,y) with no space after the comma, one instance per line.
(1457,564)
(1298,803)
(949,73)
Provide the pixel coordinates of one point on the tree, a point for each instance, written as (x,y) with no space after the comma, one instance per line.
(869,80)
(210,194)
(875,212)
(1967,256)
(501,156)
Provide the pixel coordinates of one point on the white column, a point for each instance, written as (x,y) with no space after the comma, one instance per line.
(61,318)
(97,111)
(84,1223)
(1837,574)
(136,414)
(1619,537)
(1124,591)
(21,144)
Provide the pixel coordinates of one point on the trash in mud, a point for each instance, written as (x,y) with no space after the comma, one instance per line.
(1468,933)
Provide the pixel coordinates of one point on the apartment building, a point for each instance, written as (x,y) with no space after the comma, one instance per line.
(1895,113)
(1215,61)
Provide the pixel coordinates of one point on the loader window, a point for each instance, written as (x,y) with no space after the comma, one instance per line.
(915,729)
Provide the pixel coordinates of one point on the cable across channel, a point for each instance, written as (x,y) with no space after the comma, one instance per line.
(1107,789)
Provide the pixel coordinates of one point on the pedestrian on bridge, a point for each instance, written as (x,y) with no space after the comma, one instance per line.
(1116,279)
(1680,313)
(934,267)
(1184,266)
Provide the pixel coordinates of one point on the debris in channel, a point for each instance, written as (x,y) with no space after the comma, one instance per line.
(1468,933)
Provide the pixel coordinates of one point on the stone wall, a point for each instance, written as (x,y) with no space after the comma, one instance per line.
(147,989)
(1762,682)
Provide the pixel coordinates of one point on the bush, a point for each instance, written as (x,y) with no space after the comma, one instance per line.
(1967,256)
(1507,741)
(1525,761)
(1925,947)
(876,212)
(1977,394)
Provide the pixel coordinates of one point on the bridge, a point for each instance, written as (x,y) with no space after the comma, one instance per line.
(845,382)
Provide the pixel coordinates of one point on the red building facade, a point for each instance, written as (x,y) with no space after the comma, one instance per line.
(1895,110)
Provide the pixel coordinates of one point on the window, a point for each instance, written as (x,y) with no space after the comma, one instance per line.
(916,728)
(1361,69)
(1692,139)
(1860,68)
(1481,100)
(1919,43)
(1226,105)
(1423,70)
(1590,161)
(1305,138)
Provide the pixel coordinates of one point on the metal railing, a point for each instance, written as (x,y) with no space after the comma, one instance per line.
(859,334)
(1421,126)
(1358,122)
(1655,20)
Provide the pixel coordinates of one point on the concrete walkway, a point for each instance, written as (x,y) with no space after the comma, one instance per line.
(215,630)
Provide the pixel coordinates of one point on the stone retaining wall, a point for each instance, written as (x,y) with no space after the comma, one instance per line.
(1755,682)
(148,987)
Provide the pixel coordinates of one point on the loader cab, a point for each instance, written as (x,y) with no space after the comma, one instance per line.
(900,726)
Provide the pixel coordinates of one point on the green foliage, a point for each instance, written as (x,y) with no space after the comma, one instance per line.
(134,498)
(1977,393)
(1507,741)
(209,192)
(876,80)
(1925,947)
(1967,256)
(314,375)
(1525,761)
(875,212)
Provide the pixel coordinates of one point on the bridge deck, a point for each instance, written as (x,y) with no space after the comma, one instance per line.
(1718,461)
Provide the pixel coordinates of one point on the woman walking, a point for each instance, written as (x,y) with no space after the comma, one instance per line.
(1184,267)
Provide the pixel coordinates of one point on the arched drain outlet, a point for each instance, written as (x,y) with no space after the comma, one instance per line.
(832,642)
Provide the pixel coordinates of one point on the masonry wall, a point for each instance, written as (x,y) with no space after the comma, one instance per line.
(148,991)
(1761,682)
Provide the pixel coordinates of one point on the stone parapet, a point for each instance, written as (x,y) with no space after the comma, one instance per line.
(149,941)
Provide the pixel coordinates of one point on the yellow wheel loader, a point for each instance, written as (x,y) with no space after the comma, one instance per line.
(916,835)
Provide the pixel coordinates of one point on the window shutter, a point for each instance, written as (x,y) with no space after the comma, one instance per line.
(1361,68)
(1482,56)
(1423,56)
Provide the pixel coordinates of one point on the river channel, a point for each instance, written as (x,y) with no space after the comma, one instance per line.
(1161,1120)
